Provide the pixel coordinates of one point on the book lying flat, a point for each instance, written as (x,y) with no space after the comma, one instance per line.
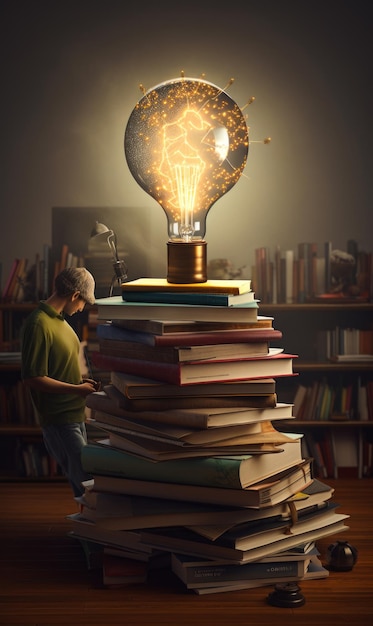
(168,327)
(147,406)
(115,307)
(182,435)
(263,494)
(160,451)
(184,297)
(189,373)
(257,546)
(110,330)
(315,570)
(230,472)
(137,386)
(198,576)
(235,286)
(127,512)
(174,354)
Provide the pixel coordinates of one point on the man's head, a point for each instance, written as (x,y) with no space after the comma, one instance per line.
(76,279)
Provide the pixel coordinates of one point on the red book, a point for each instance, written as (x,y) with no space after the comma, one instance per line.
(192,372)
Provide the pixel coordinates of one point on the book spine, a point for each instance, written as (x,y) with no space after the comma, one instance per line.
(207,574)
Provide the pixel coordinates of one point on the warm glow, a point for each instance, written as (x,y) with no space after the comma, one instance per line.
(186,144)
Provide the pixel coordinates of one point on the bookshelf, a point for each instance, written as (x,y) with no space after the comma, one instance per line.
(340,437)
(300,324)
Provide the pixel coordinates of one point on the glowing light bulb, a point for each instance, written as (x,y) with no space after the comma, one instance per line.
(186,144)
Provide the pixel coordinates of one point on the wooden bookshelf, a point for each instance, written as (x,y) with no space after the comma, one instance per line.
(300,325)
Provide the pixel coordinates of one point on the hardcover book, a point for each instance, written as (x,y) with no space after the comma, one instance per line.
(167,326)
(230,472)
(236,286)
(189,373)
(134,387)
(106,406)
(262,494)
(115,307)
(181,297)
(113,332)
(174,354)
(254,545)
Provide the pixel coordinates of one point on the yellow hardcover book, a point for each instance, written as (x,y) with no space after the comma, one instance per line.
(209,286)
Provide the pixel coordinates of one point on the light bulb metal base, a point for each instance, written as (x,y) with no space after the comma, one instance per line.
(187,262)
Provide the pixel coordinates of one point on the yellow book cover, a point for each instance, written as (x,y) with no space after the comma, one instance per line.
(233,286)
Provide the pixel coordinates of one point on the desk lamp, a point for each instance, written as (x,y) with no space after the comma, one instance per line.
(120,268)
(186,144)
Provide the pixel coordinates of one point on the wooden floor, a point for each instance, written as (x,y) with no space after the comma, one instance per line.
(45,580)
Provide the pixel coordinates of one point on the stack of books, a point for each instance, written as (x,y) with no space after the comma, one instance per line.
(191,465)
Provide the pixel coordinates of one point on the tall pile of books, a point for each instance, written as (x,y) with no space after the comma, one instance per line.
(191,471)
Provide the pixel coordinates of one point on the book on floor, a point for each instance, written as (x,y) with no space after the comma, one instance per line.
(315,570)
(198,575)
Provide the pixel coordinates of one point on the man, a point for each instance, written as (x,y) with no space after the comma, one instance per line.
(51,369)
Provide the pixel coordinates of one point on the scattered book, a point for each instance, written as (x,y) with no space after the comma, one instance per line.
(315,570)
(275,364)
(235,472)
(235,286)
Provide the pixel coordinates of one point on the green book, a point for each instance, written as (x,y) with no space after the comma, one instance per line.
(231,472)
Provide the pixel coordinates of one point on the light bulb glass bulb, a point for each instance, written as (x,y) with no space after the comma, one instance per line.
(186,144)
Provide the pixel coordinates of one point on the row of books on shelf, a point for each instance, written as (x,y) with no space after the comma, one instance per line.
(30,280)
(345,344)
(194,469)
(322,400)
(340,453)
(15,405)
(310,271)
(28,458)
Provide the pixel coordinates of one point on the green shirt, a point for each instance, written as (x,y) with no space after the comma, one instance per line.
(50,347)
